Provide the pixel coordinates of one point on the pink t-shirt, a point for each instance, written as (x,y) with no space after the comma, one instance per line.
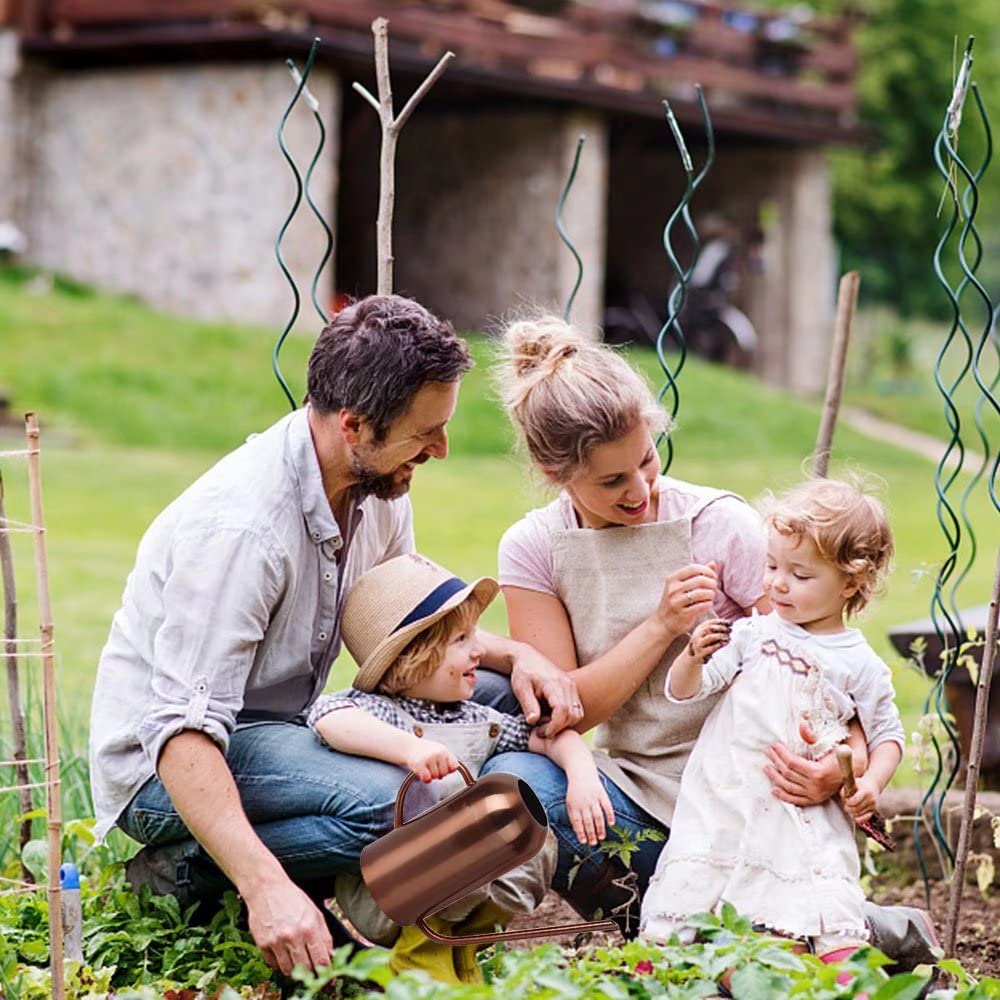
(723,528)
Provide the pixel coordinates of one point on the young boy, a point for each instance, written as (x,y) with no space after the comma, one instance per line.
(411,627)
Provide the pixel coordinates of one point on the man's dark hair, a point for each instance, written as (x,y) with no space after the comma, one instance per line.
(374,356)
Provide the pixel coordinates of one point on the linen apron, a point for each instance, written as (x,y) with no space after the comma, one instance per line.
(518,891)
(610,580)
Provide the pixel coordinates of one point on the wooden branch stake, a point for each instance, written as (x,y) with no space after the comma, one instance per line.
(391,127)
(18,736)
(847,302)
(52,789)
(975,759)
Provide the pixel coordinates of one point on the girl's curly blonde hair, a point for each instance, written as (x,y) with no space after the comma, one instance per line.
(423,655)
(846,523)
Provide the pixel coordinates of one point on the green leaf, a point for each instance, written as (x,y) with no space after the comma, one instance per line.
(81,829)
(35,857)
(902,987)
(31,814)
(754,982)
(781,958)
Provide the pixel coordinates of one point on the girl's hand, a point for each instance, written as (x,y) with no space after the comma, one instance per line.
(588,806)
(430,760)
(708,638)
(687,595)
(864,801)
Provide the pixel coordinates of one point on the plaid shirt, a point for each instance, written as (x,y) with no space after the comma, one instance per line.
(514,729)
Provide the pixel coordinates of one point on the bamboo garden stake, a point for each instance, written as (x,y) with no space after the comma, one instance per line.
(847,302)
(391,127)
(18,735)
(52,788)
(975,759)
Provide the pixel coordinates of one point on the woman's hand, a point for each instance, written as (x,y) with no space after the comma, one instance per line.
(588,806)
(687,595)
(429,760)
(801,781)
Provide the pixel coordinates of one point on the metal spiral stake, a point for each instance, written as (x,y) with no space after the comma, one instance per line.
(314,208)
(672,327)
(301,89)
(563,235)
(944,613)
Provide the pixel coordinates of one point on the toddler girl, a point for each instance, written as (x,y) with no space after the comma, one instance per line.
(792,869)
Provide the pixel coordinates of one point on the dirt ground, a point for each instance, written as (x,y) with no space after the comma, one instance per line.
(977,947)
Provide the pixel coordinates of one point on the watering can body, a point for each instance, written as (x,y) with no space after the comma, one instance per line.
(464,842)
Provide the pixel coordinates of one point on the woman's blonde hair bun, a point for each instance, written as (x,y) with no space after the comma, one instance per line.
(566,393)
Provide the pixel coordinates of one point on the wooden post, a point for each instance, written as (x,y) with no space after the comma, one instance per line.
(52,788)
(19,739)
(975,759)
(847,302)
(391,127)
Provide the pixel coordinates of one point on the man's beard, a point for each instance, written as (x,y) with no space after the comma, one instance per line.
(381,485)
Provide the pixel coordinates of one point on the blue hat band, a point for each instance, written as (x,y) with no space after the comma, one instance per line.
(432,602)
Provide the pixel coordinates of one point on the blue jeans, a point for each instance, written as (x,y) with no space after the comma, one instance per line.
(315,809)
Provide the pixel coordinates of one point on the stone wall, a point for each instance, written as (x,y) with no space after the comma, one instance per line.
(475,213)
(9,67)
(168,183)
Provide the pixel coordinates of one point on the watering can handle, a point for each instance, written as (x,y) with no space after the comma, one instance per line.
(409,779)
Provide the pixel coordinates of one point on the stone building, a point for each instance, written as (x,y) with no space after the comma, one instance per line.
(138,152)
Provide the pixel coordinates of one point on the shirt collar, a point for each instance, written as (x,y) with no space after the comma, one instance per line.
(320,522)
(833,640)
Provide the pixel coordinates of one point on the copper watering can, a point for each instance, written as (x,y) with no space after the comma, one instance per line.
(462,843)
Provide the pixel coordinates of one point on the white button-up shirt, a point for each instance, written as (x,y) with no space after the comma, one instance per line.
(232,612)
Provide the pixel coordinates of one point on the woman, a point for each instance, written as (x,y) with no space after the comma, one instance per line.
(607,581)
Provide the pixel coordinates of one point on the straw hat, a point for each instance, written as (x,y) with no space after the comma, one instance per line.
(393,603)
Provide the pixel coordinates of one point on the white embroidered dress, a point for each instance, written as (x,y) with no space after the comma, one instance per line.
(793,869)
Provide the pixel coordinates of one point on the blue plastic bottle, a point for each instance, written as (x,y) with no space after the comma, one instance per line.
(72,912)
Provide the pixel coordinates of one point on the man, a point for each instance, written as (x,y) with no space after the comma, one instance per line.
(230,622)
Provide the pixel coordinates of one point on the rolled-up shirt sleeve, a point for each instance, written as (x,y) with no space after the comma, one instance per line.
(221,586)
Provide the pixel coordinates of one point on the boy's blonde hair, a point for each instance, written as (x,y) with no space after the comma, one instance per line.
(566,394)
(424,654)
(847,525)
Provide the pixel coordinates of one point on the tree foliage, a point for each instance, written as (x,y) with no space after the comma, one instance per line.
(887,192)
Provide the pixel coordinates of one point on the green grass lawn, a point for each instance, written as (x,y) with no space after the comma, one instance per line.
(891,373)
(135,405)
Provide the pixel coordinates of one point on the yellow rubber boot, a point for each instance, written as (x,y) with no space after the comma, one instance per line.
(483,919)
(414,950)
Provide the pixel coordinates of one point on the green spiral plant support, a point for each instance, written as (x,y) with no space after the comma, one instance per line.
(959,347)
(672,327)
(563,235)
(301,90)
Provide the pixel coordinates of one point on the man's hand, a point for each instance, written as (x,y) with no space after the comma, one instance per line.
(535,679)
(864,801)
(801,781)
(287,927)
